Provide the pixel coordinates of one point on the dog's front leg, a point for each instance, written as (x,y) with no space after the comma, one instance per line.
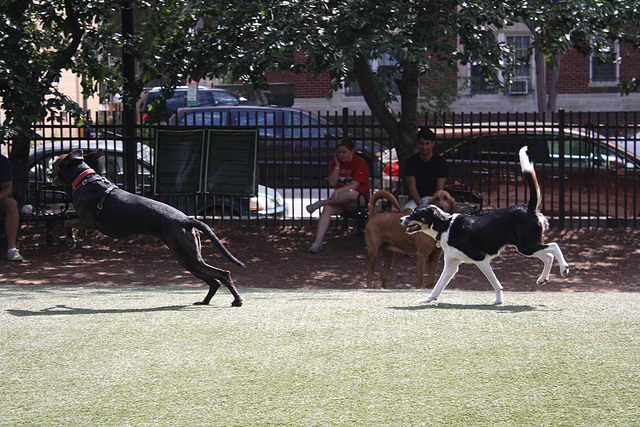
(69,227)
(450,269)
(486,269)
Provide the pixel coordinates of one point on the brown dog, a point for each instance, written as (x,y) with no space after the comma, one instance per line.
(384,235)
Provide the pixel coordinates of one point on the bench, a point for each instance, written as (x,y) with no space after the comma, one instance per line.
(47,218)
(468,201)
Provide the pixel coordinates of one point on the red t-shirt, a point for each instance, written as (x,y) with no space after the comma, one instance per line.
(356,170)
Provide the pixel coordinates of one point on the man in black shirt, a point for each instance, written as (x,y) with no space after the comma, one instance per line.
(424,172)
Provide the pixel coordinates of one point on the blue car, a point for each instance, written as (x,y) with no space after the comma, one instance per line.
(293,145)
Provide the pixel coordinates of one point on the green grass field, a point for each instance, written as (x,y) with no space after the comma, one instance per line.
(134,356)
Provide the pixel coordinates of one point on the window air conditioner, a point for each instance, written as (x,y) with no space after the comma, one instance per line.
(519,87)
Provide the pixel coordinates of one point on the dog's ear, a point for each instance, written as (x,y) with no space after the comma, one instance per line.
(439,214)
(454,206)
(92,157)
(75,155)
(440,219)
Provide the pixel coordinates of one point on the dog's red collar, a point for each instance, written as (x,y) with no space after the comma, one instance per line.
(80,177)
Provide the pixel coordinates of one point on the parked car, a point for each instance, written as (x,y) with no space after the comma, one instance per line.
(598,177)
(42,194)
(631,143)
(293,145)
(153,110)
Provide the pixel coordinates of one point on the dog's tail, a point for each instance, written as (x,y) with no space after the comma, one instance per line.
(382,194)
(209,232)
(530,176)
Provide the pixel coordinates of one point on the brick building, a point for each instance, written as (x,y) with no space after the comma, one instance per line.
(584,85)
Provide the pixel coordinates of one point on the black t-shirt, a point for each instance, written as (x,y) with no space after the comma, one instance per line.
(426,173)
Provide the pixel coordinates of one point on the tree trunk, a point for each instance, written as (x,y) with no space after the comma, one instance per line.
(401,131)
(554,85)
(541,82)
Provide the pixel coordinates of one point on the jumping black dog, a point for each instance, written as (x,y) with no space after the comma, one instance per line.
(103,206)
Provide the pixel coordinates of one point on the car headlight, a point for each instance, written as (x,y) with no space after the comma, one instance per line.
(261,203)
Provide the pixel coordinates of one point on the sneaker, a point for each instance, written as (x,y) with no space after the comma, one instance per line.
(14,255)
(316,248)
(314,206)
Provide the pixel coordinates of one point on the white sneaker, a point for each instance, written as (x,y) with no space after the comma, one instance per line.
(316,248)
(314,206)
(14,255)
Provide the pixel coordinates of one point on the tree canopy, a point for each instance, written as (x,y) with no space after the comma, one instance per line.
(247,39)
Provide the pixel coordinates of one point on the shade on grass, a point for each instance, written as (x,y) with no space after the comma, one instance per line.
(115,356)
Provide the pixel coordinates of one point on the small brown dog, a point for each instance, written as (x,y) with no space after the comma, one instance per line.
(384,235)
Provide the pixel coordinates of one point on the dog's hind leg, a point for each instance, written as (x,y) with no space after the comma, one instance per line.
(564,266)
(547,259)
(373,259)
(388,256)
(450,270)
(433,259)
(186,248)
(486,269)
(547,255)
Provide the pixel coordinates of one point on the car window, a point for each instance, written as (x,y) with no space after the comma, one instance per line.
(494,148)
(224,98)
(179,99)
(264,120)
(577,152)
(543,149)
(605,156)
(208,118)
(295,120)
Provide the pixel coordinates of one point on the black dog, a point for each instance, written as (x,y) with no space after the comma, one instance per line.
(103,206)
(478,238)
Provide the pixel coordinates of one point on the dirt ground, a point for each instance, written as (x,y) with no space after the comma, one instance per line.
(602,260)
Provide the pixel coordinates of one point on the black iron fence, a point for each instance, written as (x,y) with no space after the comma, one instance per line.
(587,164)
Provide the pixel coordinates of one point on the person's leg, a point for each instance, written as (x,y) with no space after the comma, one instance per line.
(412,205)
(11,223)
(325,220)
(343,198)
(335,205)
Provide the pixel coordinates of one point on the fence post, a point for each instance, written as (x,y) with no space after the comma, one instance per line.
(345,121)
(561,169)
(129,111)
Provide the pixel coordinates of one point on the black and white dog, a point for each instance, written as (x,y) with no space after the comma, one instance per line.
(478,238)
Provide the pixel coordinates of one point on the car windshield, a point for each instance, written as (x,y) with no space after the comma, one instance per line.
(224,98)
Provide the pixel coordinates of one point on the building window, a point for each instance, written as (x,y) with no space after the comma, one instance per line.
(521,59)
(520,63)
(605,71)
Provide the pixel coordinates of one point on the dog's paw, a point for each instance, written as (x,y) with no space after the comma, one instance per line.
(237,303)
(541,281)
(426,300)
(565,272)
(499,298)
(72,243)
